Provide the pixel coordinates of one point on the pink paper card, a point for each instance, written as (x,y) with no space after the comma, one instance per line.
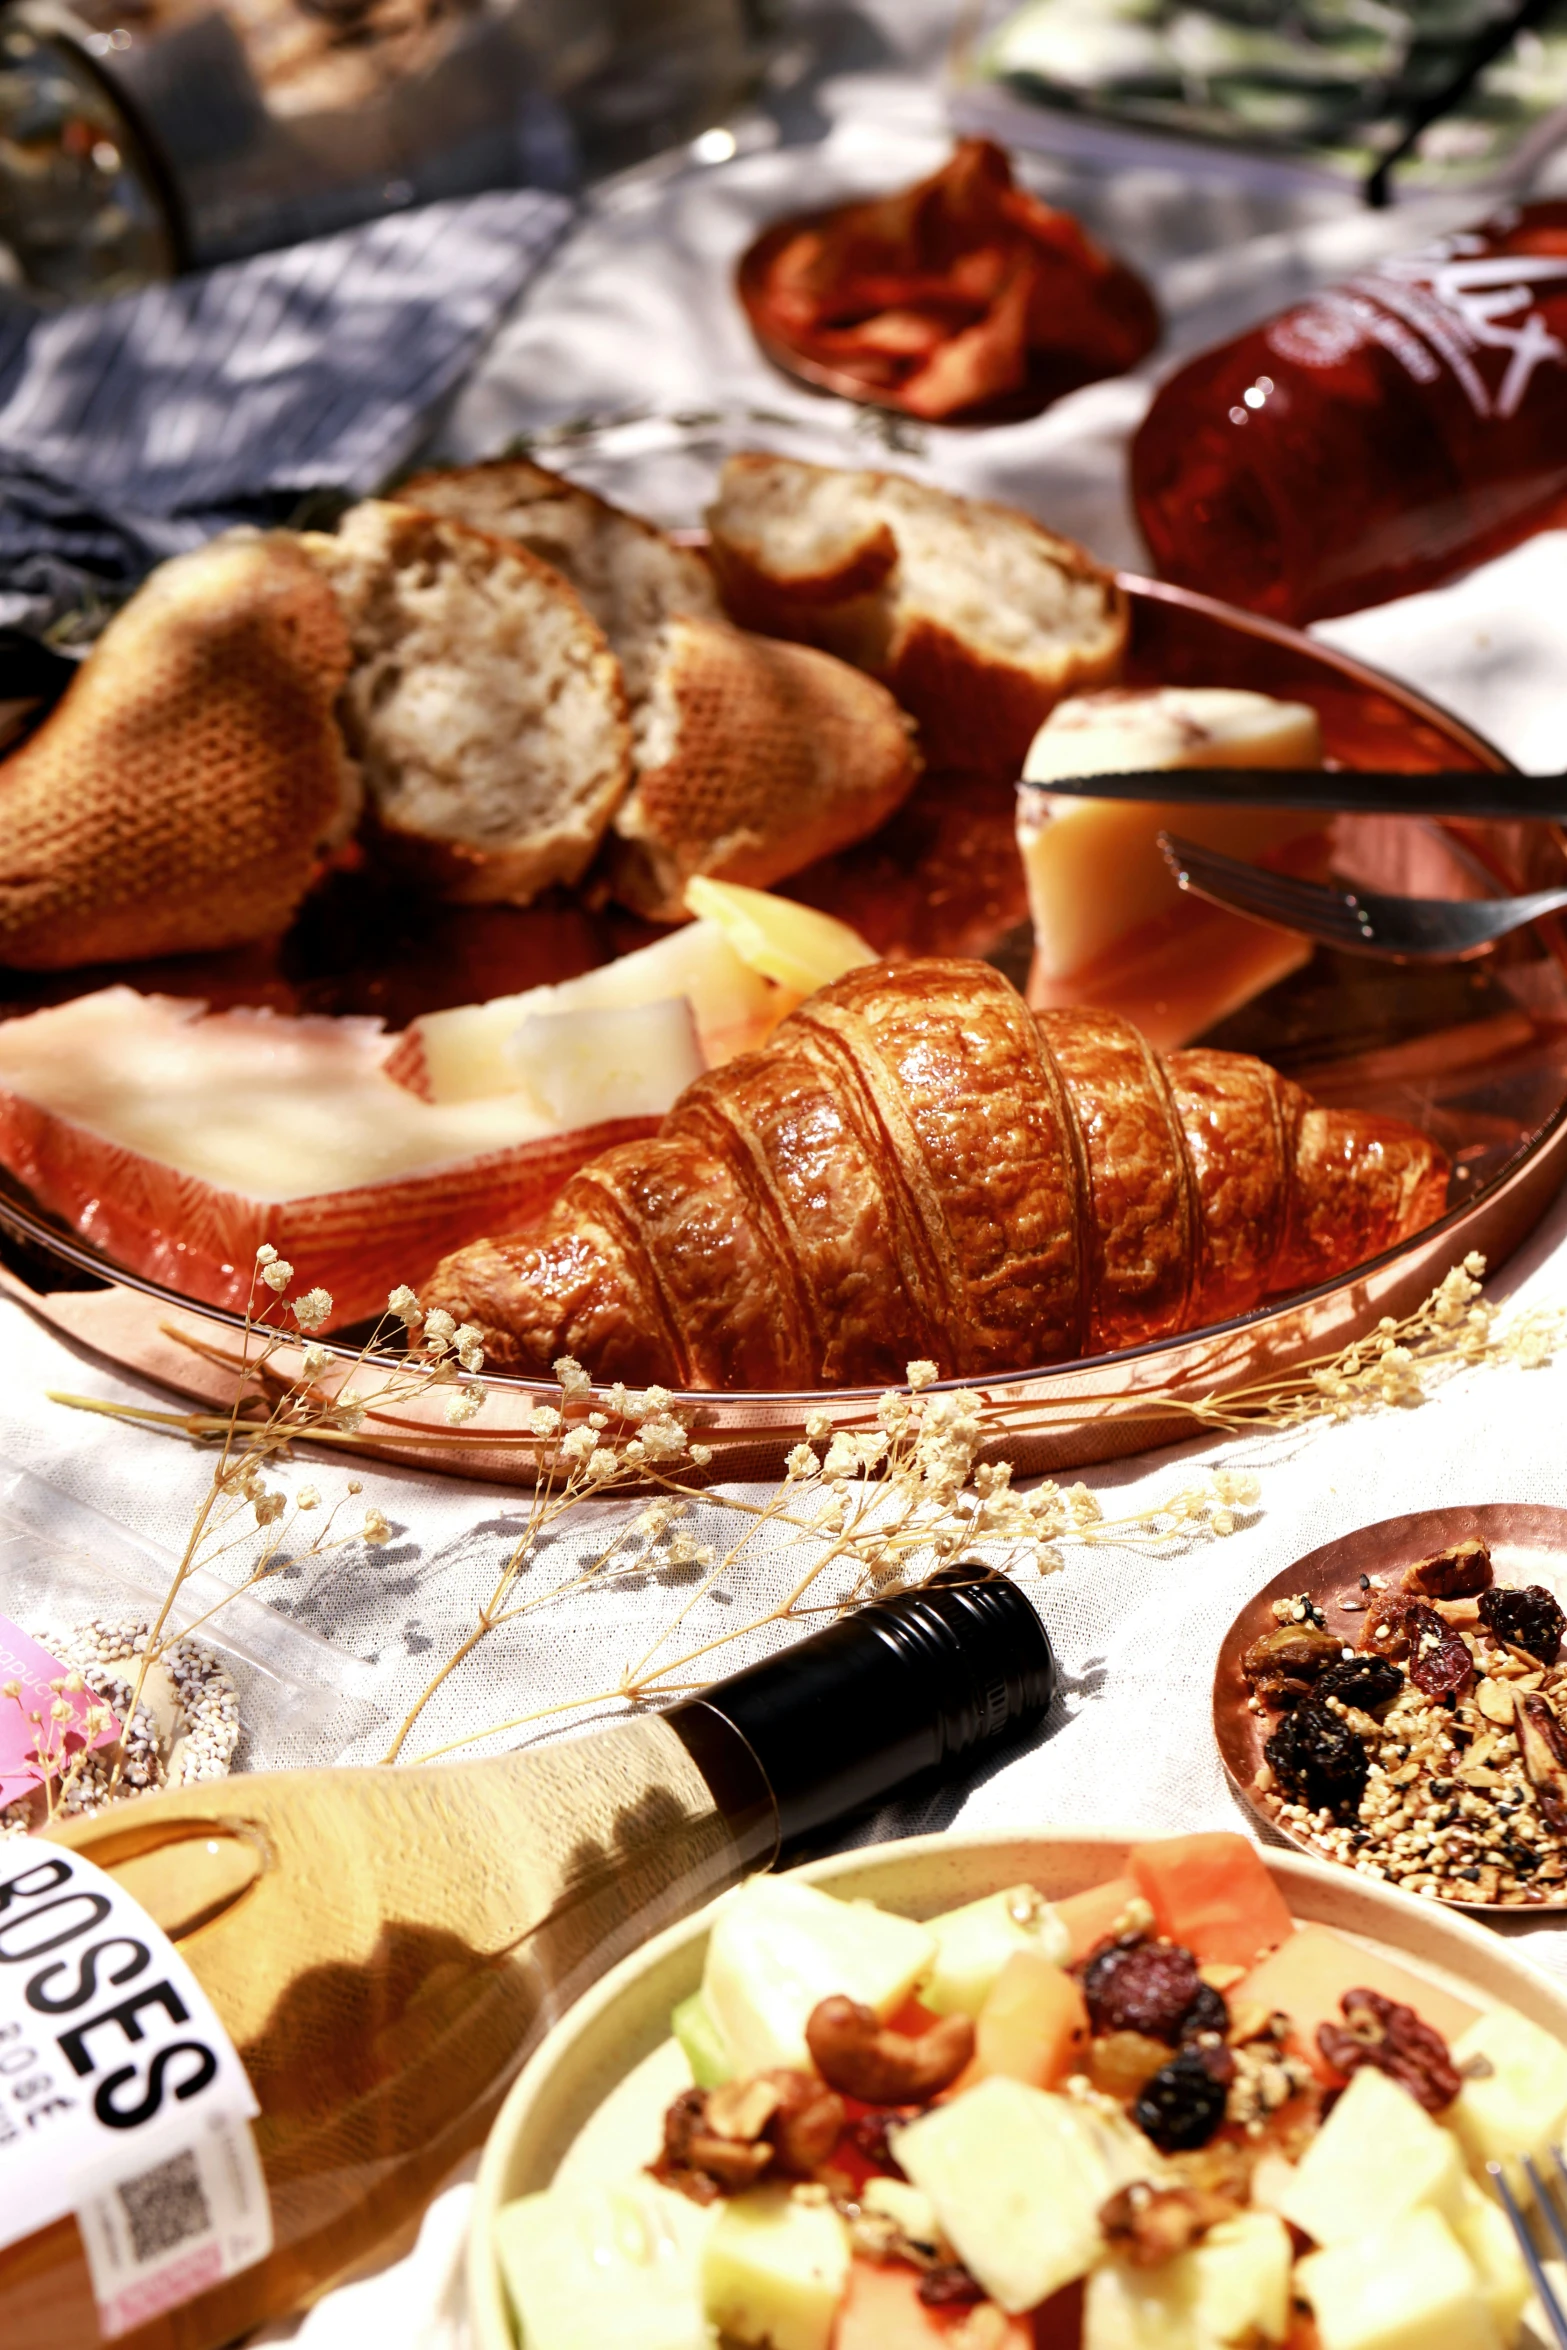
(21,1738)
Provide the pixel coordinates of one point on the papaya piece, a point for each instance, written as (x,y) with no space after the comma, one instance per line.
(1307,1976)
(883,2311)
(1214,1894)
(1089,1917)
(1034,2025)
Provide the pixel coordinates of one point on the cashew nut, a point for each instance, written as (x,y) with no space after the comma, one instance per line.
(855,2052)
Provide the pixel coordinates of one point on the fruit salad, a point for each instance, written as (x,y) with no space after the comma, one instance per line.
(1157,2115)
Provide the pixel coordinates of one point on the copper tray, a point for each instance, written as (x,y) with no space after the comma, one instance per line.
(1528,1544)
(1477,1052)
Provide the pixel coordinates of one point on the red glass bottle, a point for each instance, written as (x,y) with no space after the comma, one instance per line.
(1376,439)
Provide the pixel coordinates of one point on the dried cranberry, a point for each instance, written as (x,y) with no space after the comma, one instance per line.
(867,2134)
(1183,2105)
(1528,1618)
(1380,2032)
(1440,1664)
(1368,1682)
(1134,1985)
(1319,1760)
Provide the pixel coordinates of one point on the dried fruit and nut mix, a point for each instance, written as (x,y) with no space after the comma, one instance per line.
(1426,1743)
(1157,2112)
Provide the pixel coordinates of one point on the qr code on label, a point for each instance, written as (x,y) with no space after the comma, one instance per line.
(165,2206)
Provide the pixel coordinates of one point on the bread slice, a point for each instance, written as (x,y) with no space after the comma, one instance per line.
(750,759)
(977,618)
(181,794)
(753,758)
(484,706)
(630,575)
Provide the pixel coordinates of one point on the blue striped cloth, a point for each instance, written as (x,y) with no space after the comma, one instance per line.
(134,428)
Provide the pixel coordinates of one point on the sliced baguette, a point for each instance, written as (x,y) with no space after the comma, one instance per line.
(631,576)
(181,794)
(750,758)
(753,758)
(977,618)
(484,706)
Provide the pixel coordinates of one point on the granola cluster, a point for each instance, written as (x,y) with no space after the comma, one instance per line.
(1444,1771)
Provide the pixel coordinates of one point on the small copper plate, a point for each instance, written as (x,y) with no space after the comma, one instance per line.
(1528,1544)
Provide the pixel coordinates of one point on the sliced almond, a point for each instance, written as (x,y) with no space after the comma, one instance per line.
(1495,1700)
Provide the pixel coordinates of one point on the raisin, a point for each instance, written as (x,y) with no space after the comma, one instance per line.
(1183,2105)
(1380,2032)
(1368,1682)
(1134,1985)
(1440,1664)
(1455,1573)
(1319,1760)
(1528,1618)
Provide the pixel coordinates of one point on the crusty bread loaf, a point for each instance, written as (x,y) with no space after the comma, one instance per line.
(752,759)
(978,618)
(631,576)
(182,792)
(484,705)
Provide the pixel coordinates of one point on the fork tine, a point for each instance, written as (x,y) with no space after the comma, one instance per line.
(1275,897)
(1520,2227)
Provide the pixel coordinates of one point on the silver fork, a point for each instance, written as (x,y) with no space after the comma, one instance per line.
(1545,2204)
(1360,922)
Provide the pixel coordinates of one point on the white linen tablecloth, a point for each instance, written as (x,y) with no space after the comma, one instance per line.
(635,312)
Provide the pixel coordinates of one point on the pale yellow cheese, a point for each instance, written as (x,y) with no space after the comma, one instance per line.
(1378,2151)
(468,1050)
(1407,2285)
(798,946)
(587,1065)
(1093,867)
(273,1108)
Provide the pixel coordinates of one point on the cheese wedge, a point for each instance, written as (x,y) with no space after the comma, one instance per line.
(1098,887)
(465,1054)
(798,946)
(178,1141)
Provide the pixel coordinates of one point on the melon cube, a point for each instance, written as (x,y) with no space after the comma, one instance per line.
(775,2268)
(1233,2287)
(1378,2151)
(698,2036)
(1520,2105)
(974,1943)
(595,2267)
(1017,2177)
(777,1948)
(1409,2285)
(1307,1976)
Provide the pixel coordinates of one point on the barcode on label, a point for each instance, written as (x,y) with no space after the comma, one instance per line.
(177,2227)
(165,2206)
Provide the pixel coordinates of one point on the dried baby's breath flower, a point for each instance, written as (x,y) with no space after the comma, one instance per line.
(313,1362)
(465,1404)
(307,1498)
(921,1374)
(375,1530)
(402,1302)
(269,1507)
(801,1462)
(818,1425)
(465,1344)
(542,1420)
(439,1330)
(701,1455)
(571,1378)
(314,1310)
(278,1273)
(266,1254)
(577,1443)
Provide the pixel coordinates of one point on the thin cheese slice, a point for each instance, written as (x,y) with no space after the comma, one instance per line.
(179,1141)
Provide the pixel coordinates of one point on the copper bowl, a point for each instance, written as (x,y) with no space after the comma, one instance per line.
(1483,1067)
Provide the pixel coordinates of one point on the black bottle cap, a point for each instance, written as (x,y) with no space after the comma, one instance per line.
(903,1688)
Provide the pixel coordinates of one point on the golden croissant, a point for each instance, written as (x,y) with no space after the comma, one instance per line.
(917,1166)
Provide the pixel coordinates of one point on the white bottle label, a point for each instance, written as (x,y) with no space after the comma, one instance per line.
(1452,306)
(121,2098)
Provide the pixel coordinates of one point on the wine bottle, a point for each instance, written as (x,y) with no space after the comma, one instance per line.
(380,1949)
(1374,440)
